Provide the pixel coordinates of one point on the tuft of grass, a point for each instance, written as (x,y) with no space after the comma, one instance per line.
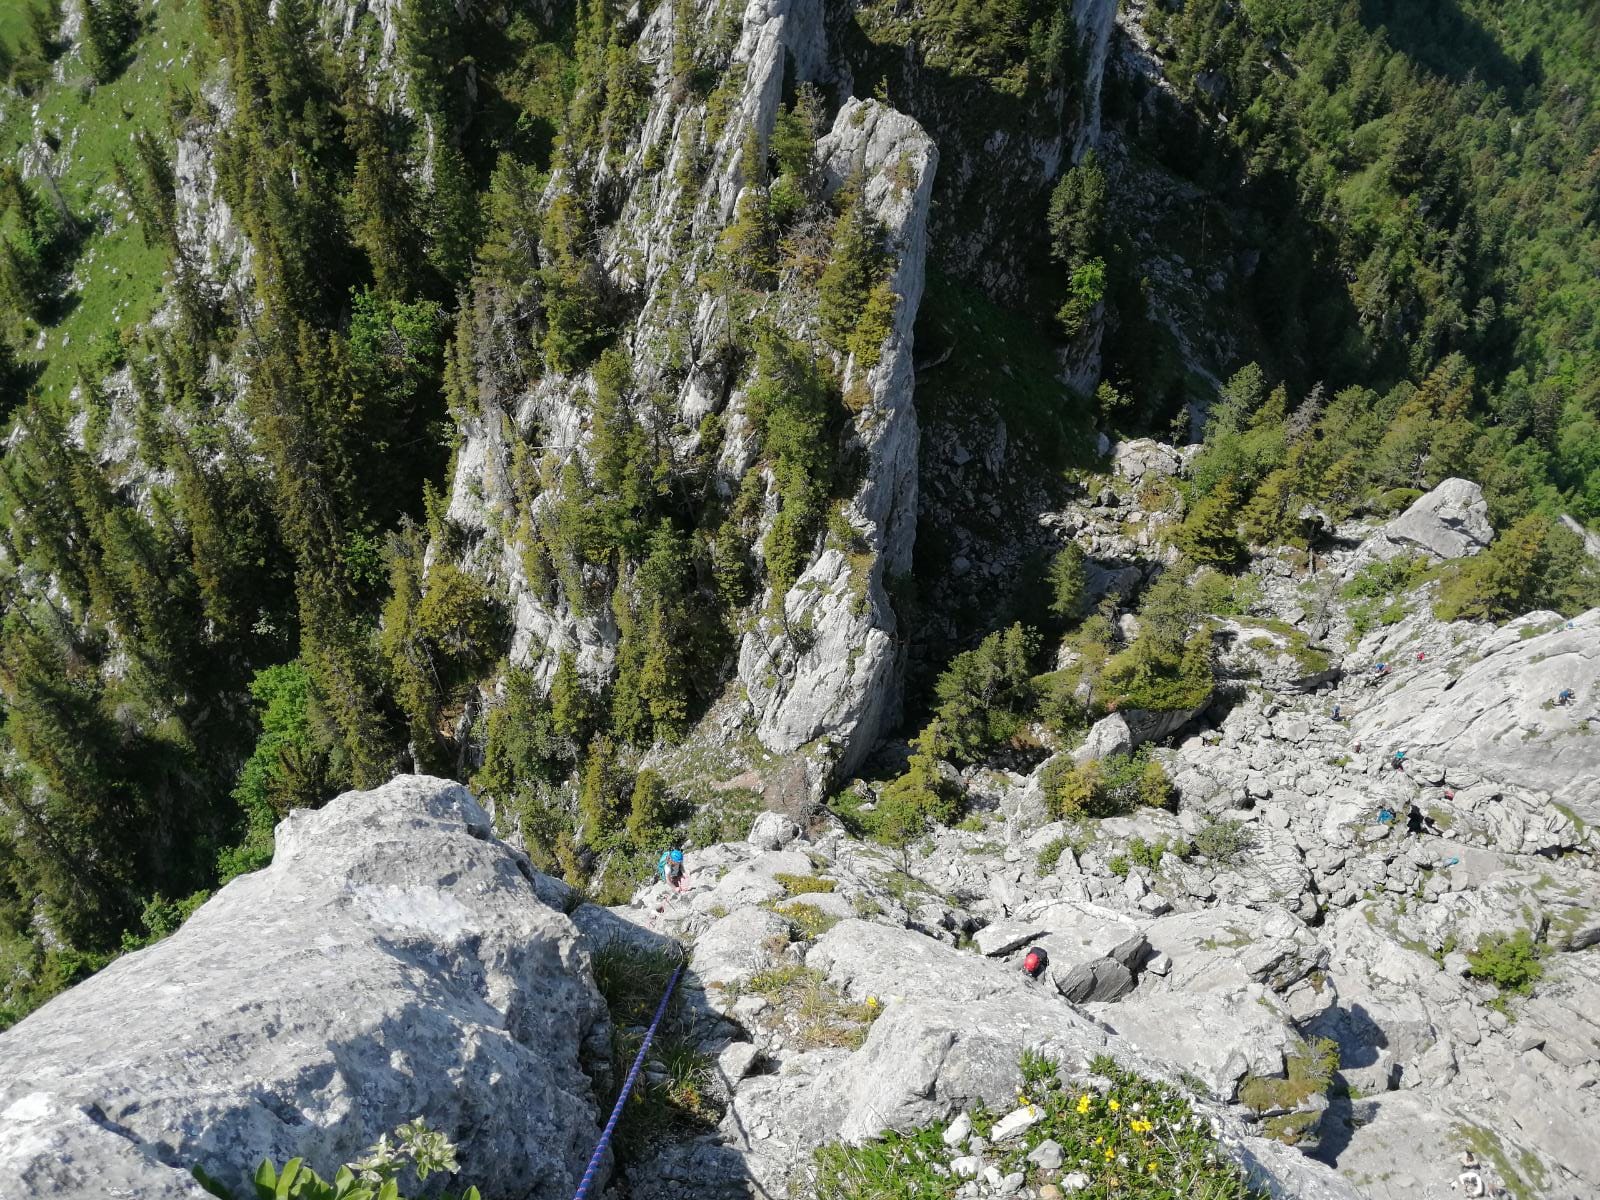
(1524,1184)
(674,1097)
(810,1008)
(1136,1140)
(801,885)
(1309,1073)
(809,921)
(631,979)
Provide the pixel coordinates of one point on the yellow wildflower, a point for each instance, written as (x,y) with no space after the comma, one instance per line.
(1113,1106)
(1152,1168)
(1099,1141)
(1110,1153)
(1083,1103)
(1140,1126)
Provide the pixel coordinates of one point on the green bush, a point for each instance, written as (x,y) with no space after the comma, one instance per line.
(1309,1072)
(810,922)
(286,770)
(1382,580)
(1224,595)
(1149,854)
(1222,841)
(1510,961)
(855,268)
(1537,562)
(912,803)
(986,695)
(1107,787)
(1050,853)
(1068,581)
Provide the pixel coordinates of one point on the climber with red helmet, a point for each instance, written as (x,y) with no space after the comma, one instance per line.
(1035,962)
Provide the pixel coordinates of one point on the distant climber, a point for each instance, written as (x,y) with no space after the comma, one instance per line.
(1336,712)
(1421,657)
(1380,668)
(1399,759)
(1035,962)
(1385,815)
(1418,821)
(1564,697)
(671,868)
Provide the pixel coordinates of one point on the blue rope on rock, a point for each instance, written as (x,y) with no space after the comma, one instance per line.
(604,1143)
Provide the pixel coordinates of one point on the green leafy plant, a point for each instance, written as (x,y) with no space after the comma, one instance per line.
(374,1177)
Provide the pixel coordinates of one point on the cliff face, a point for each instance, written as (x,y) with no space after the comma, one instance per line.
(822,661)
(842,678)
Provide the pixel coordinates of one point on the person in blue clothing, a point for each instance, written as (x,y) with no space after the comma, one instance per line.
(671,868)
(1399,759)
(1564,697)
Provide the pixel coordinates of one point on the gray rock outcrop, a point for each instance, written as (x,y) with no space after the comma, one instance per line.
(395,960)
(1486,709)
(1452,521)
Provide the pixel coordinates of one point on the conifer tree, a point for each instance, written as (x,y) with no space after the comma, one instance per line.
(647,809)
(380,204)
(572,706)
(854,268)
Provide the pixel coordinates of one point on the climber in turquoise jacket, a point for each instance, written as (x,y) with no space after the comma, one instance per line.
(671,867)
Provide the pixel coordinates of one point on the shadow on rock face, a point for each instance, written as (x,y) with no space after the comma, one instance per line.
(1360,1038)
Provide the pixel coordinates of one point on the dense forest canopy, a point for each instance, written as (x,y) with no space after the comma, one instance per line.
(221,481)
(1426,183)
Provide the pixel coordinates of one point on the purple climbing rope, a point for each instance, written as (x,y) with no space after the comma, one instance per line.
(604,1143)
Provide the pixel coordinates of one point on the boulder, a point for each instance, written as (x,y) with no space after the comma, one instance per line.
(1452,521)
(394,961)
(926,1059)
(1002,937)
(1147,725)
(738,946)
(772,831)
(1143,458)
(1093,951)
(1109,735)
(1219,1037)
(1228,945)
